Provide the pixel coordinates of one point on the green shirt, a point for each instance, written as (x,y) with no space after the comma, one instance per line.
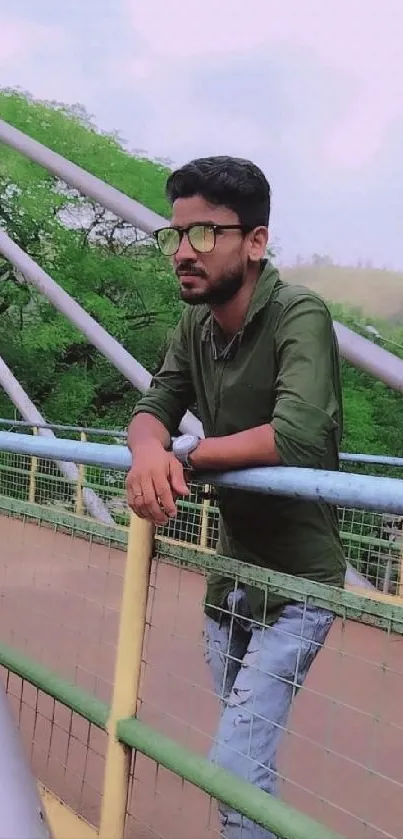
(283,368)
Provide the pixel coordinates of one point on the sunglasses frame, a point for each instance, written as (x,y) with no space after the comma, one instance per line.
(216,228)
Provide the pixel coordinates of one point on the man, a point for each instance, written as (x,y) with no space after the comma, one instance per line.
(260,360)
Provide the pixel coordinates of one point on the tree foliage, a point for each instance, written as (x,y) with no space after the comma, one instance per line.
(93,255)
(126,287)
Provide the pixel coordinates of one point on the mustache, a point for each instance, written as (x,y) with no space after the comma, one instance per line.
(190,270)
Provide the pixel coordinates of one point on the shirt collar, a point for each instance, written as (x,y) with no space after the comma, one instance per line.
(260,297)
(263,290)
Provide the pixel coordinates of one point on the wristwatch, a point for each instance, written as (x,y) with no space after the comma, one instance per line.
(183,446)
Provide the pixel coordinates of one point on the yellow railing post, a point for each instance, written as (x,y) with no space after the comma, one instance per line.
(80,481)
(204,518)
(32,475)
(127,675)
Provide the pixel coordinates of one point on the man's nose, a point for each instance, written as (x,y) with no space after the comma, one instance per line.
(185,251)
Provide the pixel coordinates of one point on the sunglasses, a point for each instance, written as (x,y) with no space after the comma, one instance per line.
(202,237)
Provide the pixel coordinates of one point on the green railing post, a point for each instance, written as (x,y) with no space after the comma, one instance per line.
(80,481)
(32,475)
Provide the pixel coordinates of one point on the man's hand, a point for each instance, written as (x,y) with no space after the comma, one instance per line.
(154,483)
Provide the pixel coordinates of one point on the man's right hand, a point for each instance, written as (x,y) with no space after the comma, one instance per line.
(154,483)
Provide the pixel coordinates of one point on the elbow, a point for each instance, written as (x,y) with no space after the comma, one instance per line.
(299,453)
(302,438)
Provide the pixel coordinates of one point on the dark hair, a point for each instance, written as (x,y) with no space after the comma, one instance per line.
(227,182)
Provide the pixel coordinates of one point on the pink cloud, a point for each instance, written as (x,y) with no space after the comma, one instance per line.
(43,59)
(20,37)
(361,39)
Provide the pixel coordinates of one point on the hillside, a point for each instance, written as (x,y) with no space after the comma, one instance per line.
(377,293)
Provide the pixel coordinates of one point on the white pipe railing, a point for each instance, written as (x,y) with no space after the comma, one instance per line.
(366,492)
(110,197)
(345,457)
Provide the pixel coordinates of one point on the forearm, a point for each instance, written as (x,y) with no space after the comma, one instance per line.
(143,429)
(253,447)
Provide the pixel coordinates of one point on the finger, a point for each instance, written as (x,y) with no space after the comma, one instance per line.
(137,505)
(133,490)
(140,515)
(135,496)
(165,495)
(177,478)
(149,503)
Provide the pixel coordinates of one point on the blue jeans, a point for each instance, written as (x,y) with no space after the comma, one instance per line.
(256,673)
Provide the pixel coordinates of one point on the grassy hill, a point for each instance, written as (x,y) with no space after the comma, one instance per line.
(377,293)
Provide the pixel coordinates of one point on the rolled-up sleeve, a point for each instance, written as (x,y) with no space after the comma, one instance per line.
(171,390)
(306,408)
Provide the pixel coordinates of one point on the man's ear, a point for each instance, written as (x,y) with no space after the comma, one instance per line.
(259,238)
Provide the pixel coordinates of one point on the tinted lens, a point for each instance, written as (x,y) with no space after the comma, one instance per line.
(168,240)
(202,238)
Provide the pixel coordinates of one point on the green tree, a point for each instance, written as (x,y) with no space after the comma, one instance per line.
(93,255)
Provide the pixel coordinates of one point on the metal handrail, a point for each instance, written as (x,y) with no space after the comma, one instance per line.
(345,457)
(347,489)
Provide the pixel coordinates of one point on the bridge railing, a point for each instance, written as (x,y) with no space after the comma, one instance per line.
(373,541)
(102,658)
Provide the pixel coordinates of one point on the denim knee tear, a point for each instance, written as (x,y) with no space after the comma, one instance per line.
(238,697)
(251,658)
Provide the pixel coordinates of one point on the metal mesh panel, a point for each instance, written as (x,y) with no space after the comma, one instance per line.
(60,599)
(164,806)
(66,753)
(51,488)
(60,596)
(40,481)
(14,475)
(340,750)
(373,542)
(374,545)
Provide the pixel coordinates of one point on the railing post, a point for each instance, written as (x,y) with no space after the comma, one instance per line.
(80,481)
(400,574)
(204,518)
(32,475)
(127,675)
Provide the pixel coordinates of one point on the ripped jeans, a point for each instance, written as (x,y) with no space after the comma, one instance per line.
(257,672)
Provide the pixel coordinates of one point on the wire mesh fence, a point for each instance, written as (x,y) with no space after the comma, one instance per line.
(66,753)
(340,749)
(373,542)
(60,592)
(164,806)
(60,598)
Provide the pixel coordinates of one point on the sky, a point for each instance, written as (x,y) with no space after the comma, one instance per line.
(311,90)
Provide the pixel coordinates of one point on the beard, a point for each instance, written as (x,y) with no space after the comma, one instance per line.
(223,290)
